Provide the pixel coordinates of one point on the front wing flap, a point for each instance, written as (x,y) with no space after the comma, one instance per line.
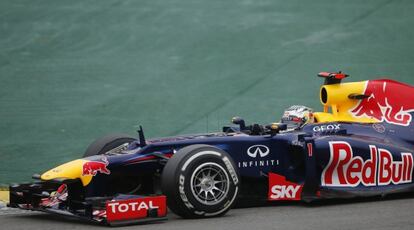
(66,199)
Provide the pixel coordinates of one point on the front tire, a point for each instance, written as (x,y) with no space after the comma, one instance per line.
(200,181)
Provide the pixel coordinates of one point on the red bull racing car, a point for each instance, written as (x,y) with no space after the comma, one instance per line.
(361,144)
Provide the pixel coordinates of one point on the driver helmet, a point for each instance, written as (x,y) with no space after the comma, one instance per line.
(297,116)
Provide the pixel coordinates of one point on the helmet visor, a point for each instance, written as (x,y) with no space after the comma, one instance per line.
(292,122)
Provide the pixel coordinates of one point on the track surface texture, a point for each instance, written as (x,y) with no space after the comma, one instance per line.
(374,213)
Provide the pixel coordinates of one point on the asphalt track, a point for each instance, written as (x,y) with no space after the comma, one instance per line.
(374,213)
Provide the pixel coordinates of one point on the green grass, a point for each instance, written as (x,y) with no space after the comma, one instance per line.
(73,71)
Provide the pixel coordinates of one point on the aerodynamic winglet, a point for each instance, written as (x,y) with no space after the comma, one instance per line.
(333,78)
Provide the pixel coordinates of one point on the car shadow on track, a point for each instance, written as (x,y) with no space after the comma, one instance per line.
(40,217)
(327,202)
(350,201)
(45,217)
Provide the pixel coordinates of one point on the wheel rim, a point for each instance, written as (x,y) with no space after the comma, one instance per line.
(210,183)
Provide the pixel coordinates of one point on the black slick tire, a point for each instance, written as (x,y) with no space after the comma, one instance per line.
(200,181)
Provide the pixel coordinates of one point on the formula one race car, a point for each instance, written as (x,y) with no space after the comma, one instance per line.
(360,145)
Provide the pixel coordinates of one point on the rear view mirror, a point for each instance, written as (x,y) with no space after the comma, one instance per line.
(239,121)
(275,128)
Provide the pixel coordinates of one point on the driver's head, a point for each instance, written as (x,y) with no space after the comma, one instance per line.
(297,116)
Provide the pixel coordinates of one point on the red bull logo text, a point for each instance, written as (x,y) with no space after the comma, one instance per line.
(346,170)
(387,101)
(91,168)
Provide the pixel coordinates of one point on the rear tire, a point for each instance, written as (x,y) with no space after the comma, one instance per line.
(200,181)
(107,143)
